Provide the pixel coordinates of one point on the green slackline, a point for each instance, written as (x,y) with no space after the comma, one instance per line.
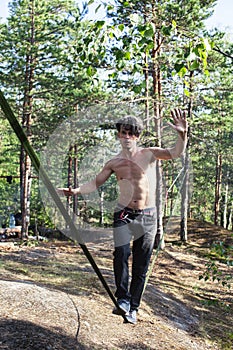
(44,177)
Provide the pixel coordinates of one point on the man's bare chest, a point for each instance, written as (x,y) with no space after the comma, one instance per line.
(131,168)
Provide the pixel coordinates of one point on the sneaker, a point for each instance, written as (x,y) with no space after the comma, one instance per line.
(131,317)
(123,307)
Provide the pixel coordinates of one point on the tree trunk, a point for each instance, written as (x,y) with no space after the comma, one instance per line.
(157,92)
(218,181)
(184,199)
(230,218)
(101,206)
(147,91)
(225,209)
(185,187)
(75,198)
(171,192)
(25,166)
(69,180)
(23,183)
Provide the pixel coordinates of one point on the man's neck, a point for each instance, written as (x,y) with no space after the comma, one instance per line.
(130,152)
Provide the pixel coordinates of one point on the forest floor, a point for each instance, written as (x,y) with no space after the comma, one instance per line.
(51,299)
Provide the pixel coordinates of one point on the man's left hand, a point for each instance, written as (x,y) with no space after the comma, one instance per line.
(180,123)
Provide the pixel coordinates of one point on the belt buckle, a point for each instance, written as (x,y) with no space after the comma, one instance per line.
(137,211)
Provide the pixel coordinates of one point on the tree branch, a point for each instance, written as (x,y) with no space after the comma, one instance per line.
(222,53)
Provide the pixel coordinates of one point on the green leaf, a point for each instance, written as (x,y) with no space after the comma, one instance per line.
(173,23)
(182,71)
(119,54)
(127,55)
(137,67)
(112,75)
(110,7)
(97,8)
(195,65)
(91,71)
(99,24)
(121,64)
(149,33)
(141,29)
(121,27)
(178,67)
(83,56)
(137,89)
(150,45)
(187,93)
(166,30)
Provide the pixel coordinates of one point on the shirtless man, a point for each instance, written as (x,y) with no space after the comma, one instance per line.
(135,214)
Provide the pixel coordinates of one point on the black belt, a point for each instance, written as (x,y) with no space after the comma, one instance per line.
(146,211)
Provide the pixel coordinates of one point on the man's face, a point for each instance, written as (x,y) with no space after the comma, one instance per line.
(127,138)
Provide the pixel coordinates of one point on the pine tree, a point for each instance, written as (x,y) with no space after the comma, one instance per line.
(45,70)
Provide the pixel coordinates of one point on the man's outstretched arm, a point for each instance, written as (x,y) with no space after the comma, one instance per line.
(89,186)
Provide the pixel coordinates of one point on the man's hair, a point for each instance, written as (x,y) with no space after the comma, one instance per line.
(134,124)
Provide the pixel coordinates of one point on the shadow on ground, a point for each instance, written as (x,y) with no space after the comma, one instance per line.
(24,335)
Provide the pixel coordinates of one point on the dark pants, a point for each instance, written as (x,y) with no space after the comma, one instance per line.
(141,226)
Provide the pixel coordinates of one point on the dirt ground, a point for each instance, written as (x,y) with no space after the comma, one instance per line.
(51,298)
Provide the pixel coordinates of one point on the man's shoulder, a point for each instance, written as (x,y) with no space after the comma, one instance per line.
(148,153)
(111,162)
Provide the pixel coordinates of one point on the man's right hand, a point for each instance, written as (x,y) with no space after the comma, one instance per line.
(67,191)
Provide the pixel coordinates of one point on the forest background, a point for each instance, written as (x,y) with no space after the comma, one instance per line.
(58,66)
(56,62)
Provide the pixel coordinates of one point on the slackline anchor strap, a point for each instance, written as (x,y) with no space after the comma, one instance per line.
(44,177)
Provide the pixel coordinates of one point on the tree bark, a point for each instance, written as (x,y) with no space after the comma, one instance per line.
(157,92)
(75,198)
(101,206)
(185,187)
(230,218)
(225,209)
(25,166)
(147,107)
(184,199)
(69,179)
(218,182)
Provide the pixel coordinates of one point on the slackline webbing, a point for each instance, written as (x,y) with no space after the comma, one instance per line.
(44,177)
